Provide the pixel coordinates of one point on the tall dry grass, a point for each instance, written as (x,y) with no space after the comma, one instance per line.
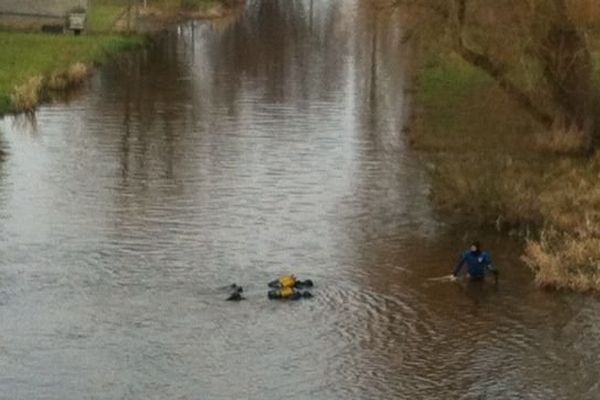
(585,12)
(565,262)
(27,96)
(74,75)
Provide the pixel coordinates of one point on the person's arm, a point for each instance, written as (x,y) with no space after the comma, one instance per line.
(489,266)
(458,267)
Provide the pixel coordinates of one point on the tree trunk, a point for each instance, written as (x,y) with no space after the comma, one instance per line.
(566,64)
(496,70)
(567,67)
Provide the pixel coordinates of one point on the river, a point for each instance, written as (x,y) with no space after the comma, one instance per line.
(238,151)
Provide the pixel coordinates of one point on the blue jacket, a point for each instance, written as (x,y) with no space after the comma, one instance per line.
(477,264)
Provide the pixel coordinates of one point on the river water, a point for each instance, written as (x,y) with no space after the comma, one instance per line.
(235,152)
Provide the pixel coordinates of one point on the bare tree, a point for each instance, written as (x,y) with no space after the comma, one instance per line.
(511,40)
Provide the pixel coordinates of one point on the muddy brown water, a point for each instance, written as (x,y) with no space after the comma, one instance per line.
(268,144)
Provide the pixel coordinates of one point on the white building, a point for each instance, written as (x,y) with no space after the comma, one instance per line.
(38,14)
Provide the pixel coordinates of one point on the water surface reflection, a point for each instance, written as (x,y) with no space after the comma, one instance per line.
(237,152)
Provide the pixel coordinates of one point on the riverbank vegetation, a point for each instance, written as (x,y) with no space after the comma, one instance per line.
(152,15)
(33,65)
(130,16)
(105,14)
(506,95)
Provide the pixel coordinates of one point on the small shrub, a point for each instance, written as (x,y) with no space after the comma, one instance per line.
(27,96)
(74,75)
(57,81)
(77,73)
(565,261)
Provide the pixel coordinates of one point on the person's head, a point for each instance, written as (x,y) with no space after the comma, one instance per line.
(476,246)
(307,295)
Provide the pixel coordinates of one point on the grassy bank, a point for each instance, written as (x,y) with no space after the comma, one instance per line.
(105,14)
(491,163)
(121,16)
(33,63)
(182,4)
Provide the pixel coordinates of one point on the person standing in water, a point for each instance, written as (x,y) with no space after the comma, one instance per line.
(478,263)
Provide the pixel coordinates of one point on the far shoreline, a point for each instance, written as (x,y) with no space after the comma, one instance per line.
(40,65)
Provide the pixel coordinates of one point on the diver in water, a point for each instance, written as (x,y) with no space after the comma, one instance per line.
(236,293)
(478,264)
(284,288)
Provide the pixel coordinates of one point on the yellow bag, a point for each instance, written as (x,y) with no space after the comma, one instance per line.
(288,281)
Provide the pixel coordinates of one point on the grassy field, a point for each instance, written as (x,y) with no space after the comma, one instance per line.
(177,4)
(491,163)
(104,14)
(32,63)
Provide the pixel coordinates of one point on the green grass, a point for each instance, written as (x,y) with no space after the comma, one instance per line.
(482,145)
(448,75)
(177,4)
(464,110)
(104,14)
(25,55)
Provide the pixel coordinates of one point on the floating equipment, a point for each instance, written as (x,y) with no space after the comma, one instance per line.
(285,288)
(290,281)
(304,284)
(288,294)
(287,281)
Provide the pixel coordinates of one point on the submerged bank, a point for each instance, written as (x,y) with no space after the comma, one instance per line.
(493,164)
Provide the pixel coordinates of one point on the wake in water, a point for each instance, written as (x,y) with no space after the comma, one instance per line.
(445,278)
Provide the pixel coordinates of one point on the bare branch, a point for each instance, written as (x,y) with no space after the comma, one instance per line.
(495,70)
